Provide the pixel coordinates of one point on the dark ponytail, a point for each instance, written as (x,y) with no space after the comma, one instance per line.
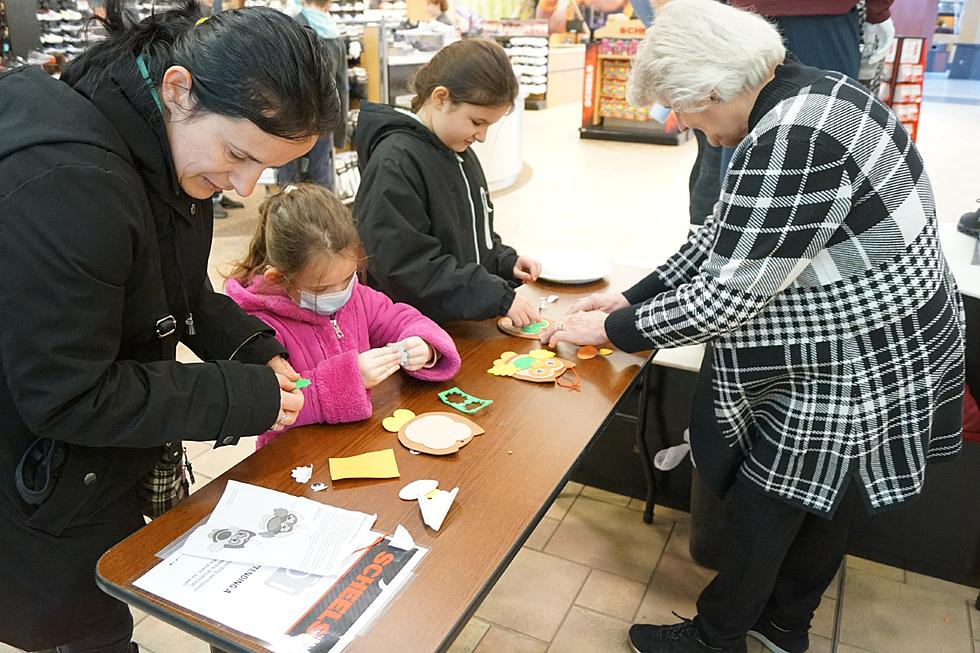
(476,71)
(254,63)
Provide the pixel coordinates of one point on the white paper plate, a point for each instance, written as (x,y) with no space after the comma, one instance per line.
(571,266)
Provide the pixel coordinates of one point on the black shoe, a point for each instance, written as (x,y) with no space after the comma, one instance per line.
(675,638)
(970,224)
(778,640)
(229,203)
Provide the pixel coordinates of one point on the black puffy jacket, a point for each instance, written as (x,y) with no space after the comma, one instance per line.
(425,217)
(99,248)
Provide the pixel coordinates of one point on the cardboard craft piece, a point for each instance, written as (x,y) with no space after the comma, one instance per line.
(532,331)
(438,434)
(468,404)
(539,366)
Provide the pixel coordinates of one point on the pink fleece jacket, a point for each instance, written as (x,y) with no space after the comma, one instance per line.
(328,356)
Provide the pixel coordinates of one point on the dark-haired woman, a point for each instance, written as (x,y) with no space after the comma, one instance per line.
(423,208)
(106,180)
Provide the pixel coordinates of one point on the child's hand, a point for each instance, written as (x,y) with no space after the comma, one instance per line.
(526,269)
(376,365)
(522,312)
(418,351)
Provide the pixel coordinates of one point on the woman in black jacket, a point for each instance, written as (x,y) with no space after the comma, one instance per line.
(106,180)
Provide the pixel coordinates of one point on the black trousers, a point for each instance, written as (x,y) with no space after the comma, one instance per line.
(776,562)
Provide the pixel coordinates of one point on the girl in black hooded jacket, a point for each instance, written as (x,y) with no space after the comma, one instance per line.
(423,209)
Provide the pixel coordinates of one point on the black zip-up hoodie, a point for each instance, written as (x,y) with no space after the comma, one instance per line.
(425,217)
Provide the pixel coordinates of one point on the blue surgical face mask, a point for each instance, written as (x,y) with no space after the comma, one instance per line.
(327,303)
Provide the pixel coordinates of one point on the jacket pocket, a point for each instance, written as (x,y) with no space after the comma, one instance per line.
(80,481)
(487,210)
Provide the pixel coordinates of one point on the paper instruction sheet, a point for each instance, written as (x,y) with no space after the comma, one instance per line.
(257,526)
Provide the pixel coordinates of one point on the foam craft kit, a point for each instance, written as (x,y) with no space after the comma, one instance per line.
(437,433)
(532,331)
(468,403)
(539,366)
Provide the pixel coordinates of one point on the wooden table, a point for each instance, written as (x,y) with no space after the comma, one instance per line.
(507,477)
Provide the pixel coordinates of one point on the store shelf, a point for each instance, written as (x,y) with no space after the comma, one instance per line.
(632,136)
(617,57)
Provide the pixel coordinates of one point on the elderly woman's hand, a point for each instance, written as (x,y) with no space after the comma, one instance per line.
(290,403)
(607,302)
(582,328)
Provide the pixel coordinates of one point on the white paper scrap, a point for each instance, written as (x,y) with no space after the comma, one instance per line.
(303,474)
(402,539)
(434,510)
(412,491)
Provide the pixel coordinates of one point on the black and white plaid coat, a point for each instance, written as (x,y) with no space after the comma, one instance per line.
(835,322)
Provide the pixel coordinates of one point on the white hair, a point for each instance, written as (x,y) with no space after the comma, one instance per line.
(697,49)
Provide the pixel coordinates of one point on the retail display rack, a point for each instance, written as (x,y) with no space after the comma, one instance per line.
(901,86)
(526,43)
(606,113)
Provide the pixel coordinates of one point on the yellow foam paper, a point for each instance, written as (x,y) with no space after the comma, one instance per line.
(376,464)
(605,352)
(397,420)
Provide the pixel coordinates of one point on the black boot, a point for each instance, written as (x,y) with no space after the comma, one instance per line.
(219,211)
(228,203)
(970,223)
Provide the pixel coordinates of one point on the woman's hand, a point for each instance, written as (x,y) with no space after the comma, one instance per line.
(526,269)
(376,365)
(607,302)
(522,312)
(583,328)
(281,366)
(290,401)
(418,352)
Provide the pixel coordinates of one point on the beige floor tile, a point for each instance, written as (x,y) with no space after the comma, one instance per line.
(962,591)
(200,480)
(196,449)
(611,538)
(604,495)
(534,608)
(823,618)
(161,637)
(138,615)
(585,631)
(876,568)
(885,615)
(560,507)
(216,462)
(675,585)
(975,621)
(502,640)
(6,648)
(660,512)
(468,640)
(611,595)
(542,533)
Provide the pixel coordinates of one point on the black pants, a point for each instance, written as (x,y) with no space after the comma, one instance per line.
(776,563)
(115,634)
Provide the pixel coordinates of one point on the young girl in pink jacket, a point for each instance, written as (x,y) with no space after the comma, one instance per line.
(300,278)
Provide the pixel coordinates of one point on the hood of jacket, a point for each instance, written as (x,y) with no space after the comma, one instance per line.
(261,295)
(375,122)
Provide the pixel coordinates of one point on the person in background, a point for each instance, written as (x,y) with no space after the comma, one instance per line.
(833,377)
(106,178)
(300,278)
(423,209)
(318,165)
(437,9)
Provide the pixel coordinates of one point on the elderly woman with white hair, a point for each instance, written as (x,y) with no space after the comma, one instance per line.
(835,366)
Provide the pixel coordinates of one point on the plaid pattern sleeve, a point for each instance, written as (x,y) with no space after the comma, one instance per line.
(680,268)
(784,199)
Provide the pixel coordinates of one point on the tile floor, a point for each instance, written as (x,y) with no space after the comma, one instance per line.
(597,567)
